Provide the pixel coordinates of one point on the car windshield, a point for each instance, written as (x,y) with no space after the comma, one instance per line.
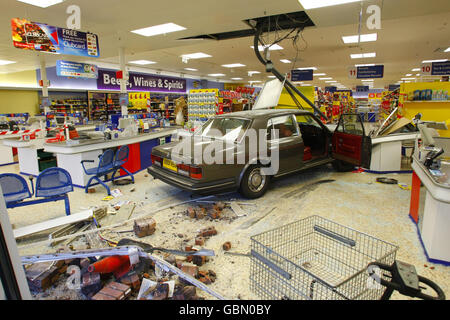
(229,129)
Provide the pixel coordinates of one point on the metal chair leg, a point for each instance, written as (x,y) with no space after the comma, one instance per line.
(88,184)
(128,173)
(67,204)
(103,184)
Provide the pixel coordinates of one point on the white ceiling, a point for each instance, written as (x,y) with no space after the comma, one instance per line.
(411,32)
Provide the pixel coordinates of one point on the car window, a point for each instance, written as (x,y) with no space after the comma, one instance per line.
(285,126)
(230,129)
(351,124)
(307,120)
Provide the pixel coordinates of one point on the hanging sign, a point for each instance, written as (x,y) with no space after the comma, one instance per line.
(369,72)
(436,68)
(362,88)
(76,69)
(140,82)
(393,87)
(45,38)
(302,75)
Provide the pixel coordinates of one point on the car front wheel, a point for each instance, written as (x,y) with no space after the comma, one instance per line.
(254,183)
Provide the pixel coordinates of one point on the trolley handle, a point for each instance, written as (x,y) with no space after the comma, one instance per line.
(396,284)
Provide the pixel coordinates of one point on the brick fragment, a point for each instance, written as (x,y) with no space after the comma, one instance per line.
(226,246)
(191,270)
(200,241)
(144,227)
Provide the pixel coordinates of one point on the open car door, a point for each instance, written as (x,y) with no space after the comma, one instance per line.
(349,143)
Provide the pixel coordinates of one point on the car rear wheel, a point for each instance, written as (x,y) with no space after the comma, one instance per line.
(254,183)
(342,166)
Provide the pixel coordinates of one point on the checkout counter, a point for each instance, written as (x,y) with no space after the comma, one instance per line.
(430,198)
(69,155)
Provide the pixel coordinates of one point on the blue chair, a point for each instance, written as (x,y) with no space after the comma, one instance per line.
(52,184)
(120,159)
(105,166)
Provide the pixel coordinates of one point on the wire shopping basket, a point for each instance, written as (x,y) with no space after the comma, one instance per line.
(316,259)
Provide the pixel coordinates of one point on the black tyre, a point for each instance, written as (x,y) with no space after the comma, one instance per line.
(342,166)
(254,184)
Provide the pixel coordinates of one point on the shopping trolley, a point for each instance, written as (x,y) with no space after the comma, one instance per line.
(318,259)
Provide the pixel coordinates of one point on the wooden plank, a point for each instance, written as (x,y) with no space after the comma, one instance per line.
(50,224)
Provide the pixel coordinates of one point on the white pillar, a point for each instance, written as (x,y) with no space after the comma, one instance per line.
(123,82)
(44,80)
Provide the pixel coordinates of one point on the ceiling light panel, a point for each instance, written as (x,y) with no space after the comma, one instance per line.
(415,69)
(41,3)
(363,55)
(271,48)
(233,65)
(309,68)
(5,62)
(216,75)
(319,74)
(190,69)
(285,61)
(313,4)
(365,65)
(431,61)
(142,62)
(236,78)
(325,78)
(197,55)
(362,38)
(159,29)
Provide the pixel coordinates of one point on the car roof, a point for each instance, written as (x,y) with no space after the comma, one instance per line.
(263,113)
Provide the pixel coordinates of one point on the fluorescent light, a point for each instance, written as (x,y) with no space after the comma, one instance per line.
(363,38)
(216,74)
(313,4)
(197,55)
(431,61)
(365,65)
(334,81)
(408,78)
(271,77)
(363,55)
(236,78)
(408,75)
(368,80)
(142,62)
(325,78)
(254,81)
(418,75)
(190,69)
(233,65)
(447,50)
(271,48)
(319,74)
(415,69)
(5,62)
(285,61)
(309,68)
(250,73)
(159,29)
(41,3)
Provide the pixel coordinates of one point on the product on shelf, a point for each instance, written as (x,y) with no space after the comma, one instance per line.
(202,104)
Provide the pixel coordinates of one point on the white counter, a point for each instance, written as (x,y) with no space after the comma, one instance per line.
(70,156)
(98,144)
(434,222)
(27,153)
(387,151)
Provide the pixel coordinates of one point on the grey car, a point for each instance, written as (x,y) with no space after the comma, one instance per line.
(302,141)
